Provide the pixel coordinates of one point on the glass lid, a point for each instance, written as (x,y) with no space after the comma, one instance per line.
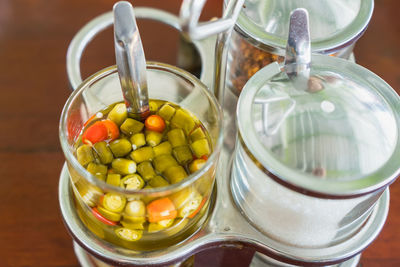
(339,137)
(333,24)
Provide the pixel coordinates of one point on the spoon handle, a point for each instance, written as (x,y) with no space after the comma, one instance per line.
(131,62)
(298,49)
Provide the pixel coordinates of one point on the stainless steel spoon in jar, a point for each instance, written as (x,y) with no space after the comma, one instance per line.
(131,62)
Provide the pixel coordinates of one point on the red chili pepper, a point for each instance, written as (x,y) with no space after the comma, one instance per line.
(112,129)
(161,209)
(96,132)
(101,218)
(155,123)
(100,131)
(89,120)
(101,200)
(198,209)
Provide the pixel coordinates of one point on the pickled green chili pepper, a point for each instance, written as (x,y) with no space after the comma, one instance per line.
(96,158)
(98,170)
(120,147)
(124,136)
(113,179)
(101,218)
(84,154)
(142,154)
(123,166)
(175,174)
(132,226)
(146,170)
(158,181)
(132,181)
(201,148)
(113,202)
(182,154)
(197,134)
(112,216)
(153,106)
(118,114)
(137,140)
(163,148)
(146,198)
(133,219)
(128,234)
(166,112)
(90,194)
(153,138)
(135,208)
(177,137)
(134,215)
(154,227)
(158,226)
(131,126)
(183,120)
(187,201)
(166,223)
(196,165)
(104,153)
(162,162)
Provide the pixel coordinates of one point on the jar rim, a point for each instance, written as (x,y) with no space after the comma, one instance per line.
(329,45)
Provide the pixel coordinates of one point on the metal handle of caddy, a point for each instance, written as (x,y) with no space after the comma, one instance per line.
(102,22)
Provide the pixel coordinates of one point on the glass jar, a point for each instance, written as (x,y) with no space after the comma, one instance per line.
(165,83)
(261,33)
(309,166)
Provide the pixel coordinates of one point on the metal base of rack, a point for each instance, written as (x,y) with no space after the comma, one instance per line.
(259,260)
(226,227)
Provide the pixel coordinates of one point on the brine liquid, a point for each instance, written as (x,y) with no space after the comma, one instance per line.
(144,220)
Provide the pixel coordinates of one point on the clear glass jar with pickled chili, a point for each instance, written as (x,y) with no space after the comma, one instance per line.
(142,185)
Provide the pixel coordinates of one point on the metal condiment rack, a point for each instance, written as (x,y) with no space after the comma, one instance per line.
(226,226)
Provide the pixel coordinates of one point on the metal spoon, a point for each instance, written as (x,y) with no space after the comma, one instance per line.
(298,49)
(297,66)
(131,62)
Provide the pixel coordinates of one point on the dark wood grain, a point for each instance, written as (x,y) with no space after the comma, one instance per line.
(34,36)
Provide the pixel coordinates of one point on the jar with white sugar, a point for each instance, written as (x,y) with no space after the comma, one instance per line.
(311,163)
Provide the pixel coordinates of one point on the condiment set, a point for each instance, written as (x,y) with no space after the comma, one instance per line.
(310,143)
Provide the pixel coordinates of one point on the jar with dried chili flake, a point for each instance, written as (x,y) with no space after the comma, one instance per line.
(261,32)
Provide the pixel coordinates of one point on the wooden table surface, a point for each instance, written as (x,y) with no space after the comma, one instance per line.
(34,36)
